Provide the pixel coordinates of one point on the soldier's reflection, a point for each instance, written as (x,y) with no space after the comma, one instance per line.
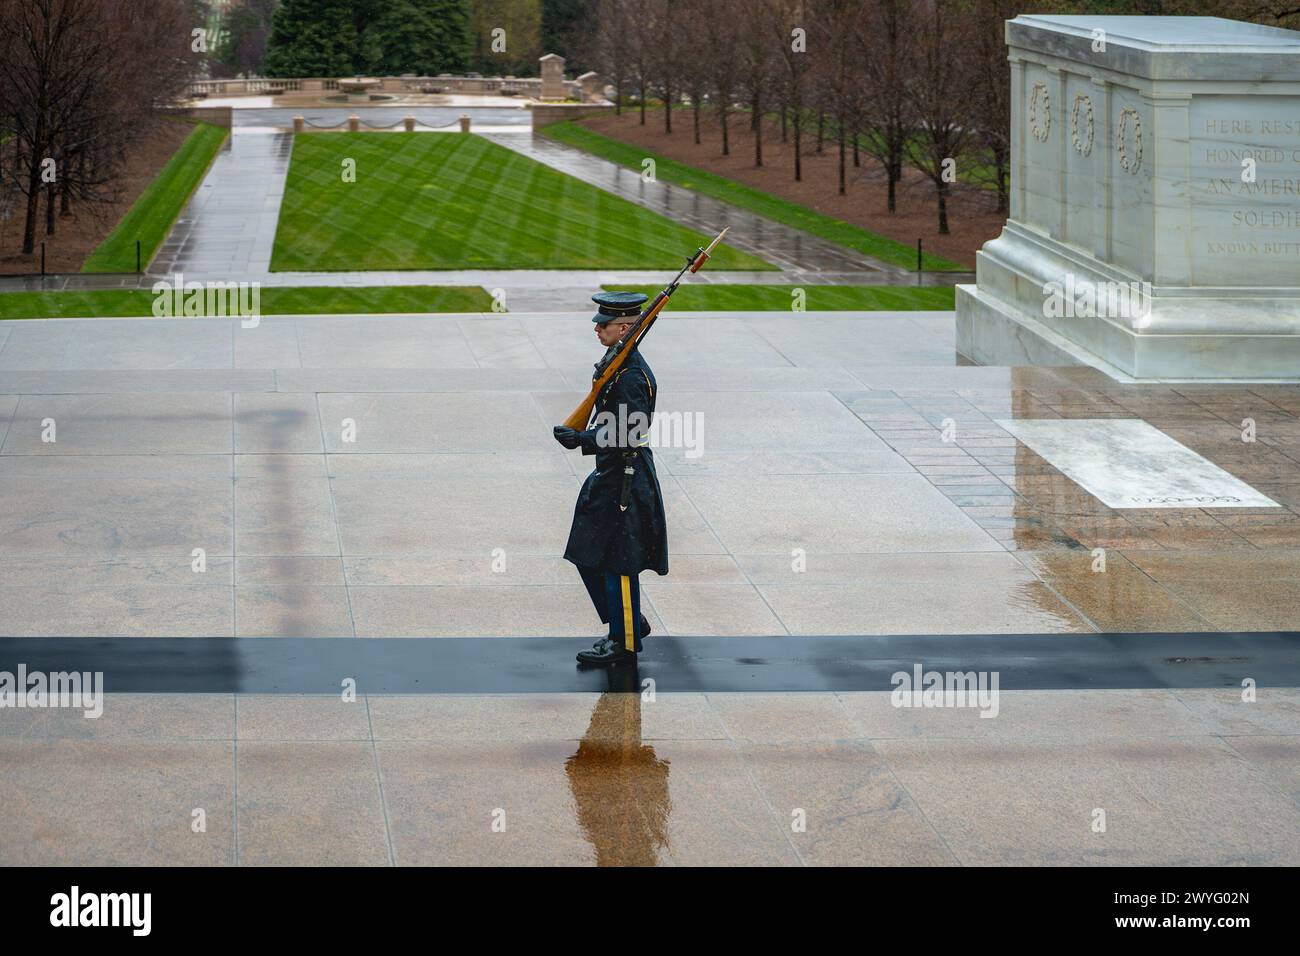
(618,783)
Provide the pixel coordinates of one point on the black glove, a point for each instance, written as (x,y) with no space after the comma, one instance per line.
(567,437)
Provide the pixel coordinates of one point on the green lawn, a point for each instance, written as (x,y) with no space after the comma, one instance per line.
(819,298)
(274,301)
(455,201)
(756,201)
(150,218)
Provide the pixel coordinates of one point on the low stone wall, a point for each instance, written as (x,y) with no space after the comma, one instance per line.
(551,85)
(486,85)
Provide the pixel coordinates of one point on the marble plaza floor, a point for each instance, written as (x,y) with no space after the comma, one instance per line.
(1184,777)
(394,480)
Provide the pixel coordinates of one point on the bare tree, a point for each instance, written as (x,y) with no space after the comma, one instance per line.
(886,37)
(990,76)
(696,43)
(757,66)
(726,60)
(790,25)
(637,47)
(663,24)
(609,43)
(839,84)
(80,80)
(939,91)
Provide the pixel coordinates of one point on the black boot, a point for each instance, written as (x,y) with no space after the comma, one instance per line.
(605,652)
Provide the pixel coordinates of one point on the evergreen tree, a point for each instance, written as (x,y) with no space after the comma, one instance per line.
(415,36)
(312,38)
(521,20)
(451,19)
(386,37)
(564,28)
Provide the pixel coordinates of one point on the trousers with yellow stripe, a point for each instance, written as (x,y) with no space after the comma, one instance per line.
(617,598)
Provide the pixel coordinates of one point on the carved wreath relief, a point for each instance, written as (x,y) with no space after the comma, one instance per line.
(1040,133)
(1082,142)
(1129,162)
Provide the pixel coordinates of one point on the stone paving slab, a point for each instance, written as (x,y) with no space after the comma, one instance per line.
(309,803)
(717,779)
(1179,801)
(118,803)
(167,443)
(176,435)
(526,290)
(228,226)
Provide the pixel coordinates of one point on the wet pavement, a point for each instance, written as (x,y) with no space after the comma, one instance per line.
(228,227)
(695,664)
(227,230)
(318,564)
(525,290)
(1186,777)
(844,476)
(855,511)
(787,248)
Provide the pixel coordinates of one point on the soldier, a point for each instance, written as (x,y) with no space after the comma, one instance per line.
(618,523)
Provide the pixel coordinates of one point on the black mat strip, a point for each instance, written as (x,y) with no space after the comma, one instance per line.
(505,665)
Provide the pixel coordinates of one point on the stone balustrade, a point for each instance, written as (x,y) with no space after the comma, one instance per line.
(586,88)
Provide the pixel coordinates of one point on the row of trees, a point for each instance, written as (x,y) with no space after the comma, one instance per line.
(923,83)
(80,81)
(919,83)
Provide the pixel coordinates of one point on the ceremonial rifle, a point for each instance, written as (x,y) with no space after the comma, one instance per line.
(608,366)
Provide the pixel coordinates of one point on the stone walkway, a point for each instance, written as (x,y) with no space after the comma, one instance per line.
(365,478)
(228,228)
(789,249)
(852,481)
(824,432)
(227,231)
(526,290)
(1183,777)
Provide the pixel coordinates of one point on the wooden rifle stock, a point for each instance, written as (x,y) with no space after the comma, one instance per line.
(582,414)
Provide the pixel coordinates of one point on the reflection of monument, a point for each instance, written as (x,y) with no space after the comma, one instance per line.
(620,785)
(1155,201)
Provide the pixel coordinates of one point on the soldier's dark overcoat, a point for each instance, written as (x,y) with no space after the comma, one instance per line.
(602,536)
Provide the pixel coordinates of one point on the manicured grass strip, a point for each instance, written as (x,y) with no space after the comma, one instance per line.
(150,218)
(818,298)
(274,301)
(756,201)
(456,201)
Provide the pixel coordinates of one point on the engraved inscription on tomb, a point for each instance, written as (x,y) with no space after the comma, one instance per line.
(1245,189)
